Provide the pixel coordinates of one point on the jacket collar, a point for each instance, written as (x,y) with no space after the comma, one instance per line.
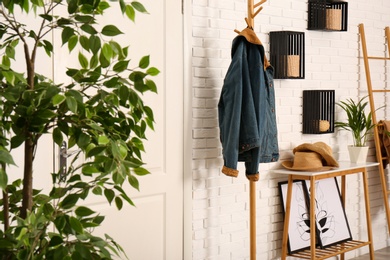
(251,37)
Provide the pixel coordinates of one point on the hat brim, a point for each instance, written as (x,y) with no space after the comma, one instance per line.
(330,161)
(290,166)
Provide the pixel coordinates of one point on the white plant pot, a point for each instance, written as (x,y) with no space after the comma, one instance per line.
(358,154)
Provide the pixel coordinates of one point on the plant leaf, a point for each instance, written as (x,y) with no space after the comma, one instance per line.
(111,30)
(6,157)
(84,211)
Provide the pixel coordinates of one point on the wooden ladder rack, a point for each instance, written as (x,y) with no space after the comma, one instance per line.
(371,91)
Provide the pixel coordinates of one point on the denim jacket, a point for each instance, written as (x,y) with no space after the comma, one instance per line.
(246,108)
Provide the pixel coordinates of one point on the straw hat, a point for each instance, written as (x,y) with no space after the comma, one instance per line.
(312,157)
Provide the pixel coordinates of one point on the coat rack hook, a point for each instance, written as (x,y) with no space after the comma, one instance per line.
(252,13)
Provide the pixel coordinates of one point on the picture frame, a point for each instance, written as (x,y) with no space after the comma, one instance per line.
(299,222)
(331,219)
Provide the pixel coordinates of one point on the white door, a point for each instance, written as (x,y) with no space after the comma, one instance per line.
(153,229)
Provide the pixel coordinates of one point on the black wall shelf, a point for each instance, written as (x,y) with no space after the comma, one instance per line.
(318,111)
(287,54)
(328,15)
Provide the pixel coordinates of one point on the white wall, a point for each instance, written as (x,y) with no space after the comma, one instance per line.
(220,225)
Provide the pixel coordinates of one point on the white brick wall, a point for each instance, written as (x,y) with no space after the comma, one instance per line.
(220,227)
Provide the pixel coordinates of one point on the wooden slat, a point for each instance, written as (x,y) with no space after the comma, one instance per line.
(331,251)
(377,58)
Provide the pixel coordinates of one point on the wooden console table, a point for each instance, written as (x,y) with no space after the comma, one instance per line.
(345,168)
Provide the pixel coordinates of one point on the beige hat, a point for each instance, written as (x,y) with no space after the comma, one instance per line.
(312,157)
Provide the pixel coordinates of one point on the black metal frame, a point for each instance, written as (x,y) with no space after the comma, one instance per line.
(318,105)
(282,45)
(317,14)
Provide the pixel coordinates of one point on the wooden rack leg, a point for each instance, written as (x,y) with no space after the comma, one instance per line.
(287,218)
(252,209)
(312,217)
(368,216)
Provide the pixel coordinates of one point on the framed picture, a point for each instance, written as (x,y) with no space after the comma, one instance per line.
(331,219)
(299,223)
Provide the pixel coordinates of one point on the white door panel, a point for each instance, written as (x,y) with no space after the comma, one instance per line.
(154,228)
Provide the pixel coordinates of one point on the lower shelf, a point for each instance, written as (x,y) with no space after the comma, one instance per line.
(331,251)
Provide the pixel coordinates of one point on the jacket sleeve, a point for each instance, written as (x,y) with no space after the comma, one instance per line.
(229,112)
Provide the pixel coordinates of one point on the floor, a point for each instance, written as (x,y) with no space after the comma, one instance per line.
(382,254)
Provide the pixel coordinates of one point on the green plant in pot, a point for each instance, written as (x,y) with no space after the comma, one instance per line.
(99,111)
(359,123)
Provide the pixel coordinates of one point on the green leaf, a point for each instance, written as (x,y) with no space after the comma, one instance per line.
(58,99)
(9,76)
(139,7)
(57,136)
(141,171)
(10,51)
(88,29)
(67,32)
(103,140)
(110,194)
(94,44)
(84,211)
(95,151)
(76,225)
(82,252)
(144,62)
(73,40)
(6,62)
(88,169)
(83,61)
(72,6)
(118,203)
(97,190)
(48,47)
(84,18)
(55,241)
(122,5)
(94,61)
(72,104)
(151,85)
(84,41)
(130,13)
(121,66)
(133,182)
(3,179)
(111,30)
(152,71)
(6,157)
(70,201)
(107,51)
(17,140)
(83,140)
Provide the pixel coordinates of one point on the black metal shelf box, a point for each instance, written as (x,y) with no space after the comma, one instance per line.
(287,54)
(318,111)
(328,15)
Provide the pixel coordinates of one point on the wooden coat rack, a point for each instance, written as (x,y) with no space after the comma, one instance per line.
(252,184)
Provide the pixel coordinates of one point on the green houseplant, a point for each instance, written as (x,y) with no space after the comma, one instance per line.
(359,123)
(99,112)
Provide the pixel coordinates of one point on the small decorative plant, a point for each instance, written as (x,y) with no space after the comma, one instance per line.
(358,122)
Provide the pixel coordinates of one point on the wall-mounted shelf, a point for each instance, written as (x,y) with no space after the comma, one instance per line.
(318,111)
(287,54)
(328,15)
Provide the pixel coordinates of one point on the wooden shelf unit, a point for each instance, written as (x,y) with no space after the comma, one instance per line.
(314,253)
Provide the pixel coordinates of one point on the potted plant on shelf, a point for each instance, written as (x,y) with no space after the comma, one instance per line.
(98,110)
(360,124)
